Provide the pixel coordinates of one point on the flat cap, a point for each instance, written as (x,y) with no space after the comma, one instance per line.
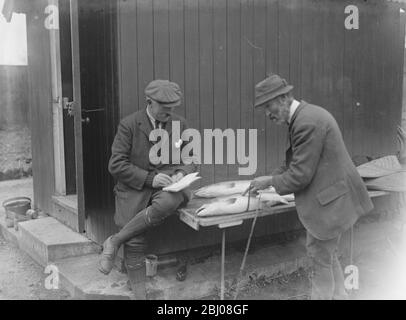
(270,88)
(165,92)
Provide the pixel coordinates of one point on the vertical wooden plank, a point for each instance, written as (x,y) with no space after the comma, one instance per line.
(375,74)
(66,73)
(191,85)
(351,47)
(295,45)
(233,73)
(334,59)
(272,34)
(38,48)
(206,78)
(258,48)
(220,80)
(160,17)
(177,47)
(77,97)
(401,54)
(358,67)
(192,65)
(364,113)
(145,45)
(247,71)
(127,57)
(393,68)
(112,115)
(59,152)
(386,79)
(284,35)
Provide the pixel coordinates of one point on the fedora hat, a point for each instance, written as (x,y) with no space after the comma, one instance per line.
(270,88)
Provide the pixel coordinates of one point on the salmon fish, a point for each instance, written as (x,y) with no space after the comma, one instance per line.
(267,195)
(225,188)
(228,205)
(238,204)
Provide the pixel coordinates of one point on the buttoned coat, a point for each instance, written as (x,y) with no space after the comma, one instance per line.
(329,193)
(130,164)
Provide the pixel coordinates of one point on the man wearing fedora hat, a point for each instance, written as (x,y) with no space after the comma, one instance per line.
(140,201)
(329,193)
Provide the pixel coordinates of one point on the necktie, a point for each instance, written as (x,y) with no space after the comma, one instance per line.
(159,124)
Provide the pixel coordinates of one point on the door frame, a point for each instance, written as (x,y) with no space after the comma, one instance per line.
(57,107)
(77,112)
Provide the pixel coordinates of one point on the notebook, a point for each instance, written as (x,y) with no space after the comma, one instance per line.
(183,183)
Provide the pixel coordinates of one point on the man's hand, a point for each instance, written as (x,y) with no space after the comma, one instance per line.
(177,176)
(161,180)
(259,183)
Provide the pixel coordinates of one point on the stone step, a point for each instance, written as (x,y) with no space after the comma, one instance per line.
(65,209)
(80,276)
(47,240)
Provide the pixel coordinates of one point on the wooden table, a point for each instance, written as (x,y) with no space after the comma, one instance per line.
(188,216)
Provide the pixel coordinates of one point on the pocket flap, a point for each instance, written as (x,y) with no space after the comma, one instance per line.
(333,192)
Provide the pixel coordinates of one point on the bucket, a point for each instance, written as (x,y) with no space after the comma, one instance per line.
(16,206)
(151,265)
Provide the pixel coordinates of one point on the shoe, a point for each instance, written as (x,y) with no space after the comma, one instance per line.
(108,256)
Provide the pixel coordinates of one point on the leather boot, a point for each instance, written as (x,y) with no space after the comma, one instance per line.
(135,265)
(108,256)
(136,226)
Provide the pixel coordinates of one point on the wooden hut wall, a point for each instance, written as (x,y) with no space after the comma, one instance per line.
(217,50)
(40,104)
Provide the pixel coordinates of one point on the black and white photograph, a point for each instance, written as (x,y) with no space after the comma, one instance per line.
(215,151)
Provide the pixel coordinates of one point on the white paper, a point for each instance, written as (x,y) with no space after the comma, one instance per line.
(183,183)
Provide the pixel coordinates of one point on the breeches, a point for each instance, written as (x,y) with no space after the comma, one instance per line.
(162,204)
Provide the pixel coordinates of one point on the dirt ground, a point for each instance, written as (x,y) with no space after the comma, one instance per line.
(381,266)
(23,279)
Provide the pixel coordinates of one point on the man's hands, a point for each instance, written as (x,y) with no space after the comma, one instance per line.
(161,180)
(177,176)
(259,183)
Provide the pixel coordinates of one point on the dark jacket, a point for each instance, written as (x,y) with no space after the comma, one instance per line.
(130,165)
(329,193)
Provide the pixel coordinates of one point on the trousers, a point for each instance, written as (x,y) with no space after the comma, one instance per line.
(327,278)
(161,205)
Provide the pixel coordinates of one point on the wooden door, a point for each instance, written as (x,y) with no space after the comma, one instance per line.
(95,57)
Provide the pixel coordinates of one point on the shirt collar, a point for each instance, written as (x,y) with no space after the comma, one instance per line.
(151,118)
(292,109)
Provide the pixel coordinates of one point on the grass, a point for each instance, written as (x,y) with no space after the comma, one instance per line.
(15,153)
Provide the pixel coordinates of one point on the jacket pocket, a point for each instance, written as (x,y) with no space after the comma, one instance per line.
(332,193)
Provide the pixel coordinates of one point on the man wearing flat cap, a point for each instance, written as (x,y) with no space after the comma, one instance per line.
(329,193)
(140,201)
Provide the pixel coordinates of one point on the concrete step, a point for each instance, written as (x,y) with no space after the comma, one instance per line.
(47,240)
(80,276)
(65,209)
